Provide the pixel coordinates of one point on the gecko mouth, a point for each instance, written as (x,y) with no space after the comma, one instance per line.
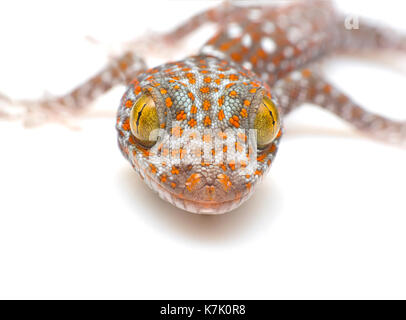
(204,203)
(205,199)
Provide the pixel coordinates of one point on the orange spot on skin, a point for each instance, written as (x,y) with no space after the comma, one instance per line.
(233,77)
(204,89)
(229,85)
(226,45)
(144,151)
(192,80)
(182,153)
(231,164)
(162,125)
(152,168)
(258,173)
(261,157)
(222,166)
(163,91)
(181,115)
(137,90)
(327,88)
(261,53)
(191,96)
(134,82)
(247,103)
(243,113)
(193,109)
(168,102)
(233,93)
(207,79)
(248,186)
(207,121)
(225,181)
(217,81)
(163,178)
(192,181)
(236,56)
(176,87)
(254,60)
(174,170)
(306,73)
(192,122)
(123,65)
(131,140)
(221,115)
(221,101)
(173,185)
(253,90)
(126,125)
(235,121)
(206,105)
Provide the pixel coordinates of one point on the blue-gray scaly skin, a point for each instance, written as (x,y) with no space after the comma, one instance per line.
(209,98)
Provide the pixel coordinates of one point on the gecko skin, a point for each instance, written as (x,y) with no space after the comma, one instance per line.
(256,52)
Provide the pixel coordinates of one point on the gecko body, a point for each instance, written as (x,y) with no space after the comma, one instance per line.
(257,52)
(186,126)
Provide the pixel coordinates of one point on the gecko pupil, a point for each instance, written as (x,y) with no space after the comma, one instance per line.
(271,114)
(139,116)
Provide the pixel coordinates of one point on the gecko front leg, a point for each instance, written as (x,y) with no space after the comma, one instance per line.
(121,70)
(309,86)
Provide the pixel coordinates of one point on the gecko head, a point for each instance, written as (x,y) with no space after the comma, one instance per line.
(201,132)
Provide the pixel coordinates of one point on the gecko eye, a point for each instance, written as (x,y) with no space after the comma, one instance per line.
(267,122)
(144,120)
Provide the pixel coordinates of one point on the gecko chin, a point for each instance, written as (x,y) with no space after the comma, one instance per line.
(200,132)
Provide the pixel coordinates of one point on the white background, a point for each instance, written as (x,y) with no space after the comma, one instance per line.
(77,222)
